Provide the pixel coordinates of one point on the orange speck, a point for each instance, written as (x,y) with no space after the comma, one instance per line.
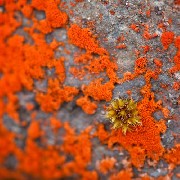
(123,174)
(102,133)
(176,86)
(87,106)
(137,53)
(148,13)
(165,86)
(165,112)
(158,62)
(77,72)
(27,11)
(34,130)
(105,165)
(55,123)
(135,27)
(129,92)
(145,48)
(146,33)
(162,26)
(177,42)
(176,66)
(121,46)
(166,39)
(173,155)
(29,106)
(128,76)
(79,1)
(112,12)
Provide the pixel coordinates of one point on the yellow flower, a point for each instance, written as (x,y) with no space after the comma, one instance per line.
(123,113)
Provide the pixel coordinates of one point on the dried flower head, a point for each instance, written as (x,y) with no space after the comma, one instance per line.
(123,114)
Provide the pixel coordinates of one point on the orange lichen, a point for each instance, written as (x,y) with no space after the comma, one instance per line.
(166,39)
(112,12)
(9,174)
(46,161)
(177,42)
(34,130)
(165,112)
(78,146)
(29,106)
(77,72)
(158,62)
(38,161)
(84,58)
(146,177)
(87,106)
(98,65)
(137,53)
(55,124)
(24,58)
(107,164)
(101,64)
(121,46)
(7,145)
(120,38)
(27,11)
(148,13)
(19,71)
(127,76)
(99,91)
(140,65)
(143,141)
(172,156)
(54,17)
(146,48)
(176,66)
(146,35)
(83,39)
(124,174)
(135,27)
(102,134)
(55,96)
(129,92)
(176,86)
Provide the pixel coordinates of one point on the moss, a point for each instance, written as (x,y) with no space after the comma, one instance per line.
(123,114)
